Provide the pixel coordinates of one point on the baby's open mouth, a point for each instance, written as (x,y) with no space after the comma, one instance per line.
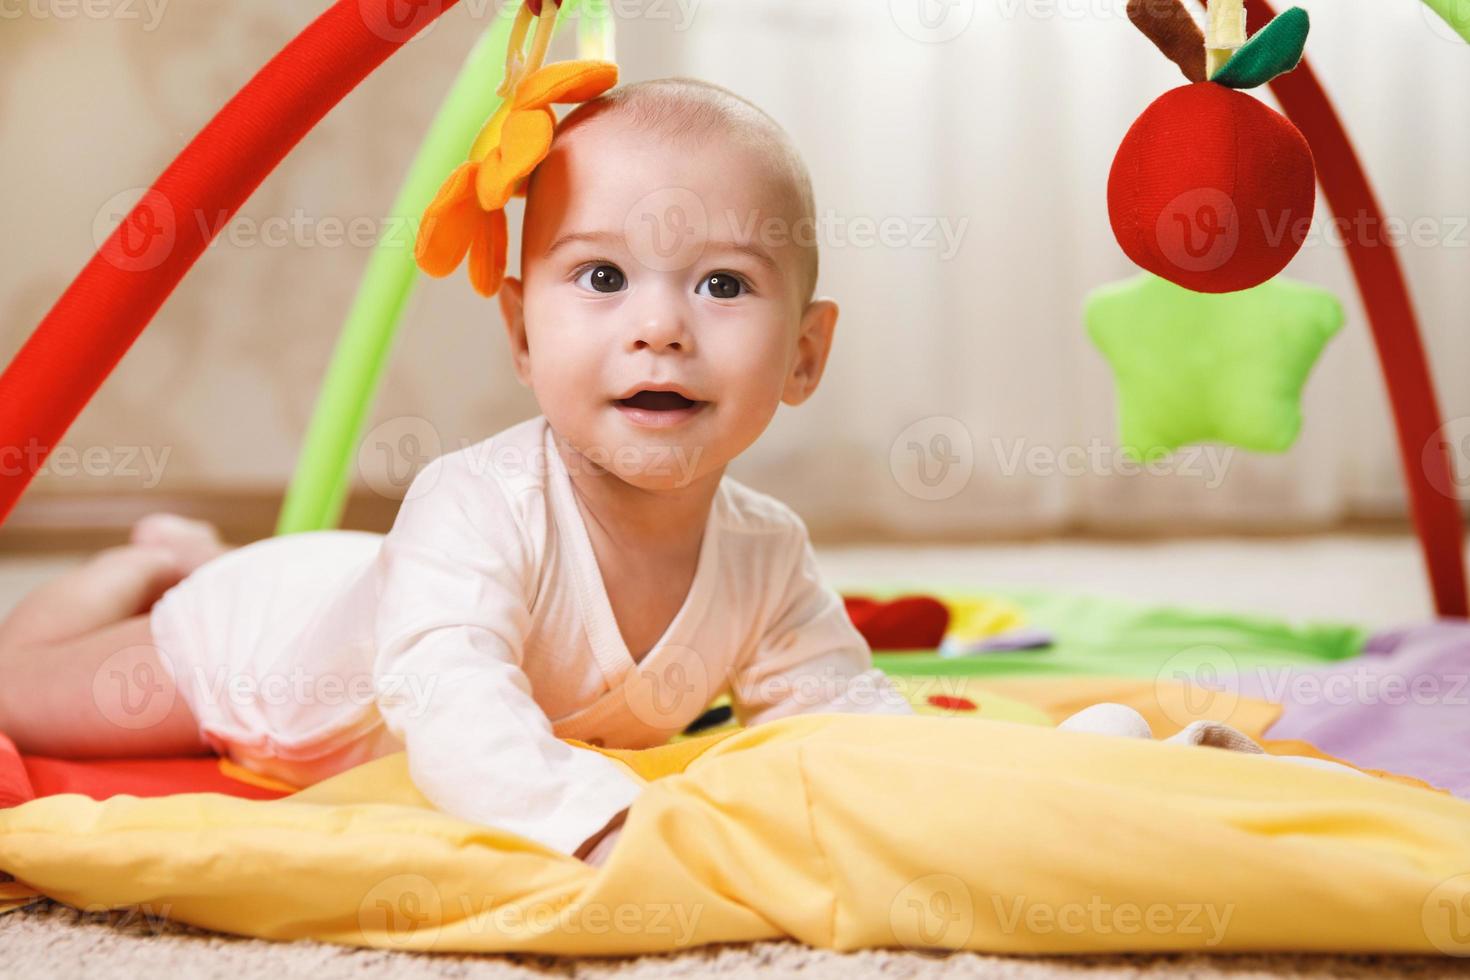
(658,401)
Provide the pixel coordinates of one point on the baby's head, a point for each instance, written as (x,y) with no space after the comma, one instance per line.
(668,246)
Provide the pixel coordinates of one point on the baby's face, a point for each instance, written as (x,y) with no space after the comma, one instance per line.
(663,316)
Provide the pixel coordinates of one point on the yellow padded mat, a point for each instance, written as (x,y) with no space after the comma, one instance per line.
(840,831)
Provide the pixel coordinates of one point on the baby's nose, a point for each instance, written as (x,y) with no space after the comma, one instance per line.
(660,344)
(662,329)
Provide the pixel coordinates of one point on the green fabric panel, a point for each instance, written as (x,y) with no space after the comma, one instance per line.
(1274,50)
(1105,636)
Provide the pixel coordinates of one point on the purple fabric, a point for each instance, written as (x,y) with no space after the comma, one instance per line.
(1021,638)
(1011,641)
(1403,706)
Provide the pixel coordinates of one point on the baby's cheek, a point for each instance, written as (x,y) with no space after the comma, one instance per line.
(569,392)
(753,354)
(566,363)
(750,405)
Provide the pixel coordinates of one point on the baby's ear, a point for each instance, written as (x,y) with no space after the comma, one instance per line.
(812,347)
(513,312)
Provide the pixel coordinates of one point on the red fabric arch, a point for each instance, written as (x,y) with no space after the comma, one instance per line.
(1423,454)
(112,300)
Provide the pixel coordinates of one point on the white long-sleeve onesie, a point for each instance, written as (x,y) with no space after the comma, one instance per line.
(484,622)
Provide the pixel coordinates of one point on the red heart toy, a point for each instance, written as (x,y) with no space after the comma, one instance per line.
(905,623)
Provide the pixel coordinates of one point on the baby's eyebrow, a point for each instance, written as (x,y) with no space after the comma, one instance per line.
(612,238)
(745,248)
(573,237)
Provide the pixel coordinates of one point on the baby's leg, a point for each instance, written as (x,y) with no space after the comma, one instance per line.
(192,542)
(112,586)
(79,675)
(104,694)
(115,584)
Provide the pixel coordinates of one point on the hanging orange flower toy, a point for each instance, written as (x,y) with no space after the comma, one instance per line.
(468,213)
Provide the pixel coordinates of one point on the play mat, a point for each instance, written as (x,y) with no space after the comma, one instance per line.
(977,825)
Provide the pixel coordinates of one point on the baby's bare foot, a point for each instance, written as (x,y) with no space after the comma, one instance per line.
(191,542)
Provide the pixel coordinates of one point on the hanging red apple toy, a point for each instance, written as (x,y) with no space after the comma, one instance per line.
(1211,188)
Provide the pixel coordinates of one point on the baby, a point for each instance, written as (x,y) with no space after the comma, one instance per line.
(589,574)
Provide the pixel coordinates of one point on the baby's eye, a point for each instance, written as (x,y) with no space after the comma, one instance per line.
(603,278)
(723,285)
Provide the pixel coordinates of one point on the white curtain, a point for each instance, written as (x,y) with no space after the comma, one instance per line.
(998,120)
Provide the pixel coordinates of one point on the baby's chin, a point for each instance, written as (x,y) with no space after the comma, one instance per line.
(653,457)
(680,477)
(656,468)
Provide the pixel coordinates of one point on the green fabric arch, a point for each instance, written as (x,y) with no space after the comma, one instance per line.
(319,487)
(1455,13)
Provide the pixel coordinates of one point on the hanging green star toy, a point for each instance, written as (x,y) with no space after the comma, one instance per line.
(1210,367)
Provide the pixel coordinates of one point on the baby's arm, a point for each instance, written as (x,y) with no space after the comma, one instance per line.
(810,658)
(453,613)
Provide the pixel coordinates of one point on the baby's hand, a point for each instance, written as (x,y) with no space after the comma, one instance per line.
(596,849)
(603,848)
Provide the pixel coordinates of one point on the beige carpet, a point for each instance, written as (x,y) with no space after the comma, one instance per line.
(1369,580)
(50,940)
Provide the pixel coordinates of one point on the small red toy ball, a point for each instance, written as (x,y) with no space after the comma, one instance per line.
(1212,189)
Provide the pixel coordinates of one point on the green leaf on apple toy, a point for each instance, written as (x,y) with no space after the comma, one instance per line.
(1274,50)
